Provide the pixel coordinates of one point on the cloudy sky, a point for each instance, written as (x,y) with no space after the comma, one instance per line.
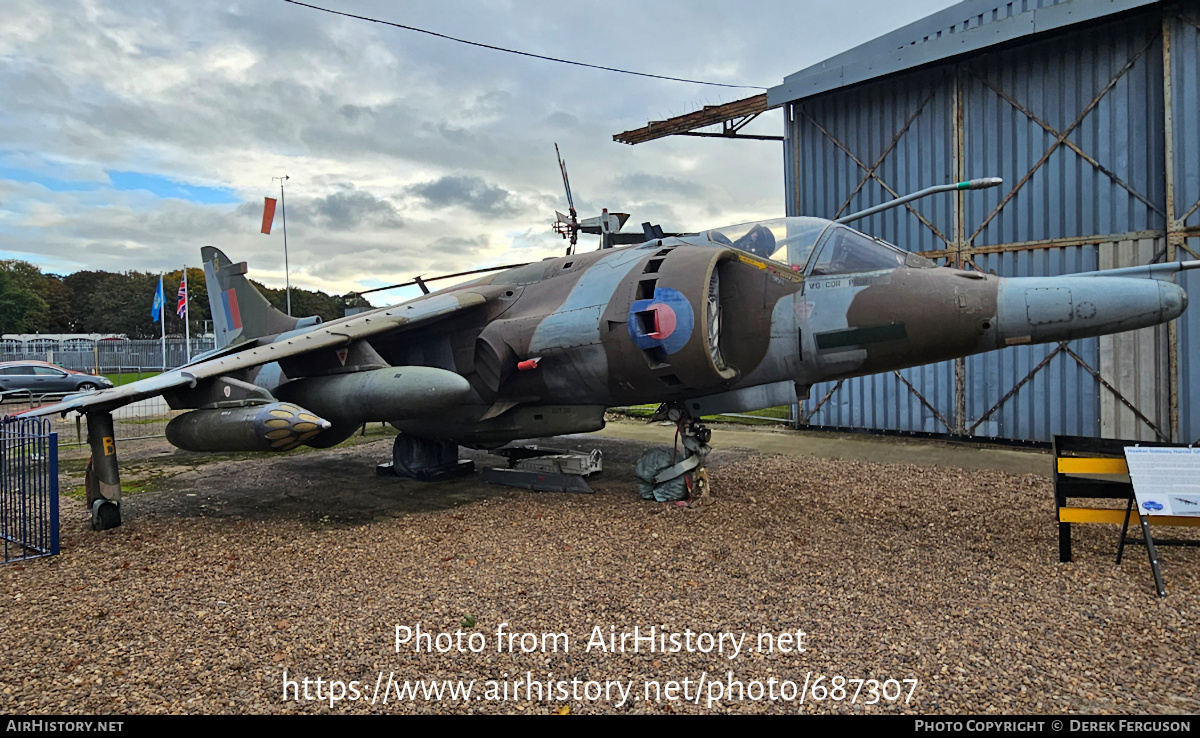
(133,132)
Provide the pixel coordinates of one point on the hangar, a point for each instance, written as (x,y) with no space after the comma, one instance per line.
(1090,112)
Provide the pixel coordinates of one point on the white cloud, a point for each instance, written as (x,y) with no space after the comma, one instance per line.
(407,154)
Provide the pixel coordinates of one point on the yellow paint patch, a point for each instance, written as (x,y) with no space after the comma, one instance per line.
(752,261)
(1114,517)
(1070,465)
(110,446)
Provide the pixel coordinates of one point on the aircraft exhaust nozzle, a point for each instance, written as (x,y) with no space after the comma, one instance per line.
(391,393)
(1043,310)
(275,426)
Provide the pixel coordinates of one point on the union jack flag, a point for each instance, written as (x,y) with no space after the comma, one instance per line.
(181,307)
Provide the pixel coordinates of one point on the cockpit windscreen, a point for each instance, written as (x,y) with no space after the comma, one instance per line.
(786,240)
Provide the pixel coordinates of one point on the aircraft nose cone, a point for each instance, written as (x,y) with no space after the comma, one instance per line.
(1172,300)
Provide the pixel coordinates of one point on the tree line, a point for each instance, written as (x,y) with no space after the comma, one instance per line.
(110,302)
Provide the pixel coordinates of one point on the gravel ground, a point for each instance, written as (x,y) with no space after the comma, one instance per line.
(226,574)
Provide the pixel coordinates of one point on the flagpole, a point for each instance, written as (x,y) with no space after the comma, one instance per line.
(287,272)
(162,320)
(187,314)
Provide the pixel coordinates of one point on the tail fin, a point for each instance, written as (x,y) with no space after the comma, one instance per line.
(240,313)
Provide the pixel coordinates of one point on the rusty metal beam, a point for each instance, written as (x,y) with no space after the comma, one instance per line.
(936,414)
(709,115)
(1058,141)
(1105,384)
(1068,143)
(1012,392)
(1063,347)
(1048,243)
(895,140)
(875,177)
(746,136)
(824,399)
(1172,226)
(960,216)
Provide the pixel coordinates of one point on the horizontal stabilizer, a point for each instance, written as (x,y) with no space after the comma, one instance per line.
(607,223)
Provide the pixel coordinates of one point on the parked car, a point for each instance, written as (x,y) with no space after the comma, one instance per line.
(40,377)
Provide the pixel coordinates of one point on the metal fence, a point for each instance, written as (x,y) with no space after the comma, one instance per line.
(28,489)
(122,362)
(143,419)
(108,356)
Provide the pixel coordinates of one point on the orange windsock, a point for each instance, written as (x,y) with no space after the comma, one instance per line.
(268,214)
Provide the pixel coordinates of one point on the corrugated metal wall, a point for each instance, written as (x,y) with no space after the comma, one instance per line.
(1075,124)
(1183,31)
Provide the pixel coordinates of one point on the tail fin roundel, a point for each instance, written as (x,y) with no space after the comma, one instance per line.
(239,311)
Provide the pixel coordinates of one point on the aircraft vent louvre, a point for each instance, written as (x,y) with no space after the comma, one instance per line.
(671,380)
(656,358)
(488,365)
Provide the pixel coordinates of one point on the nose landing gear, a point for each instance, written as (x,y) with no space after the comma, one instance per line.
(671,474)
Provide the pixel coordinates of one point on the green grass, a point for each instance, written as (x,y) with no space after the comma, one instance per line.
(127,377)
(161,420)
(783,412)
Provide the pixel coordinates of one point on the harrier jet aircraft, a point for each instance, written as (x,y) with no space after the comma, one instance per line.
(724,320)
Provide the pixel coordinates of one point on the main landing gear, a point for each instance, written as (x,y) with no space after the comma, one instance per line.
(102,480)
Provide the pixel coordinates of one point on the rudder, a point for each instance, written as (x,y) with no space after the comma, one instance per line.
(239,311)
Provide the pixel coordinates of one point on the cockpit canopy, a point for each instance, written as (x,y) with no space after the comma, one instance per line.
(793,241)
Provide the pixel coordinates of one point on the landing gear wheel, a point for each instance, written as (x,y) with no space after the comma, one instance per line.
(674,474)
(650,470)
(105,515)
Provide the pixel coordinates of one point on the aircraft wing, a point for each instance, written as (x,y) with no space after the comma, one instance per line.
(408,315)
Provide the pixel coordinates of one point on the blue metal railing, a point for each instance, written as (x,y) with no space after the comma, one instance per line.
(28,489)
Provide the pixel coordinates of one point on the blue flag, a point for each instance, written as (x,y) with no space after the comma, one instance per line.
(159,301)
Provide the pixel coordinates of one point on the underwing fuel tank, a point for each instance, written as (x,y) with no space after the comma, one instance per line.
(275,426)
(1041,310)
(390,393)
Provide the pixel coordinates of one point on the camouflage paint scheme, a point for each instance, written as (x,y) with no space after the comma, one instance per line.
(544,348)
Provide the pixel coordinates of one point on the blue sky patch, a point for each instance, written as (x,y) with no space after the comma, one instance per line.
(54,184)
(164,187)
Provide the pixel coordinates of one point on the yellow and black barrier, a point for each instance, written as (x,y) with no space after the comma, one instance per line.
(1095,468)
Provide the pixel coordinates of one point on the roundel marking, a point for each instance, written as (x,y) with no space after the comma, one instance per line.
(664,321)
